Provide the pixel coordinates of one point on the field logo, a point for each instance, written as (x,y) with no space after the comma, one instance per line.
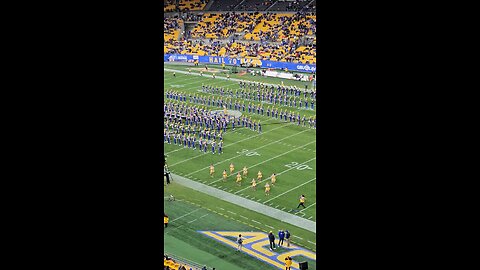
(256,244)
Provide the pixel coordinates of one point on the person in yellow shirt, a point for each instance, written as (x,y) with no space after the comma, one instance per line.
(232,168)
(259,176)
(245,171)
(224,175)
(267,189)
(165,220)
(288,263)
(254,184)
(302,201)
(212,170)
(239,179)
(274,179)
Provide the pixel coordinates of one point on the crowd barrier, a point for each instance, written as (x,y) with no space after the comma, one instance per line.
(237,61)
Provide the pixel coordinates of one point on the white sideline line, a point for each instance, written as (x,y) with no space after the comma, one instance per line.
(185,215)
(279,172)
(294,149)
(292,189)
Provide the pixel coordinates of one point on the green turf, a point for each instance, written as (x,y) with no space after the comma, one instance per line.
(283,148)
(209,213)
(248,77)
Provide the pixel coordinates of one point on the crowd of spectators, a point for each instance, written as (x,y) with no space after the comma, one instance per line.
(171,29)
(256,26)
(183,5)
(286,51)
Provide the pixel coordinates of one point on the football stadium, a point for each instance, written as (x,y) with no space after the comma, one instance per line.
(240,125)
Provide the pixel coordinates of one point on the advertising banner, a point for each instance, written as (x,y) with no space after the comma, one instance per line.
(237,61)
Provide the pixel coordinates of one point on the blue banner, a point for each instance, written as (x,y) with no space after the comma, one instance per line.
(237,61)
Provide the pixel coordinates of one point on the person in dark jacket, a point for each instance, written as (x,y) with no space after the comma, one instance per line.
(281,236)
(287,236)
(271,237)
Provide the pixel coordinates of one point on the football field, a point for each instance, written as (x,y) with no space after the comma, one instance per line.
(283,147)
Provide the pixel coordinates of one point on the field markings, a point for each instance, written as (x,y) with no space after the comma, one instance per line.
(312,242)
(231,212)
(255,221)
(192,221)
(294,149)
(283,208)
(220,208)
(297,237)
(246,139)
(269,226)
(280,172)
(186,214)
(292,189)
(242,155)
(243,217)
(308,207)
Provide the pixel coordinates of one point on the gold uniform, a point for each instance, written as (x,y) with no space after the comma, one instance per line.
(232,168)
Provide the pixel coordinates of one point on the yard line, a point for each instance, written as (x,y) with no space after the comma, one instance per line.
(185,215)
(269,226)
(231,212)
(264,160)
(312,242)
(192,220)
(204,216)
(243,154)
(279,172)
(282,208)
(297,237)
(292,189)
(308,207)
(255,221)
(243,217)
(249,138)
(220,208)
(310,217)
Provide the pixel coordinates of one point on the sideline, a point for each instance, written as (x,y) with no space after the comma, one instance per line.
(246,203)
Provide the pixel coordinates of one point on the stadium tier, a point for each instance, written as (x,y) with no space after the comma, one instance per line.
(183,5)
(285,37)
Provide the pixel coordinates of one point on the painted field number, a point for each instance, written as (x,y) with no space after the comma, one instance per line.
(248,153)
(294,165)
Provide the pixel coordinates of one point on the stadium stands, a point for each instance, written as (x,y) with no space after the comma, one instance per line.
(285,37)
(171,29)
(183,5)
(224,5)
(255,5)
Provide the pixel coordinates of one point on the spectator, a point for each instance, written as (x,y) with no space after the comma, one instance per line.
(271,238)
(281,236)
(287,236)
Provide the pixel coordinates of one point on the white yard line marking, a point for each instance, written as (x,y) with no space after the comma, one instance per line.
(185,215)
(255,221)
(281,172)
(204,216)
(308,206)
(231,212)
(283,208)
(313,179)
(243,217)
(269,226)
(297,237)
(249,138)
(220,208)
(312,242)
(294,149)
(192,221)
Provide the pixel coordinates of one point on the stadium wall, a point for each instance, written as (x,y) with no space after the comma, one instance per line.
(237,61)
